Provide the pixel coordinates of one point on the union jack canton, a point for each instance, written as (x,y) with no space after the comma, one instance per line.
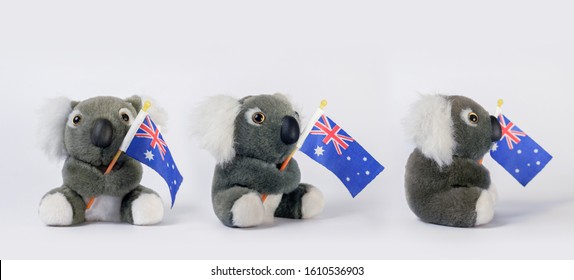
(329,145)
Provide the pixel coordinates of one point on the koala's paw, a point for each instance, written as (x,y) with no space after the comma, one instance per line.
(312,202)
(248,211)
(493,193)
(270,205)
(484,208)
(147,209)
(55,210)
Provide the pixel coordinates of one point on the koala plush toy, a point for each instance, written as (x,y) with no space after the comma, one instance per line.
(250,139)
(445,180)
(87,135)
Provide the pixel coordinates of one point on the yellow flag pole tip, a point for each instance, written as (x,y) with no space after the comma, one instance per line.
(146,105)
(500,102)
(323,103)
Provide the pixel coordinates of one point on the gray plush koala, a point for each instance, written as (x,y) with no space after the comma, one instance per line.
(445,180)
(250,138)
(88,134)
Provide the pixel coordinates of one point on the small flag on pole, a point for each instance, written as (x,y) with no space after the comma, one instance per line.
(519,154)
(328,144)
(145,143)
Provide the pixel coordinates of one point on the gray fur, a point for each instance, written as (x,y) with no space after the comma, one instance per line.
(447,195)
(290,206)
(259,175)
(91,110)
(263,142)
(85,164)
(473,142)
(259,151)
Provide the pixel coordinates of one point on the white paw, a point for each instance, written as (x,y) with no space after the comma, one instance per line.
(55,210)
(312,203)
(248,211)
(147,209)
(493,193)
(484,208)
(270,204)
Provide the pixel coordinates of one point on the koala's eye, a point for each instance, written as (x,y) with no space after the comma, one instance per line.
(126,116)
(254,116)
(75,119)
(469,117)
(258,118)
(473,117)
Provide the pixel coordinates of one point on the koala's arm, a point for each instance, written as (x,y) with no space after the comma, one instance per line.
(125,178)
(468,173)
(264,177)
(89,181)
(291,174)
(82,177)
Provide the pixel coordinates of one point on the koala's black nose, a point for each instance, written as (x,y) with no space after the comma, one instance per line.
(102,133)
(496,129)
(289,130)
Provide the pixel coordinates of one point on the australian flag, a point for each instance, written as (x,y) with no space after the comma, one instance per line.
(518,153)
(333,148)
(145,143)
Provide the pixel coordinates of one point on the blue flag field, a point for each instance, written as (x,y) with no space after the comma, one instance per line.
(333,148)
(519,154)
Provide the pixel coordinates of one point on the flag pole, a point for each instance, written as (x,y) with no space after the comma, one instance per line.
(146,106)
(498,108)
(114,160)
(305,133)
(497,113)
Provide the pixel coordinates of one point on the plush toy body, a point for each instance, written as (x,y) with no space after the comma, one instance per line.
(445,180)
(88,135)
(250,138)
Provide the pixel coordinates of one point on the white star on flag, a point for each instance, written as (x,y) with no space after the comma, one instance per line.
(319,151)
(494,147)
(148,155)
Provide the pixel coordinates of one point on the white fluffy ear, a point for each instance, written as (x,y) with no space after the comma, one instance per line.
(430,126)
(213,122)
(53,117)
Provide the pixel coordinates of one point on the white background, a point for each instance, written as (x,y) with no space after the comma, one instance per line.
(370,59)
